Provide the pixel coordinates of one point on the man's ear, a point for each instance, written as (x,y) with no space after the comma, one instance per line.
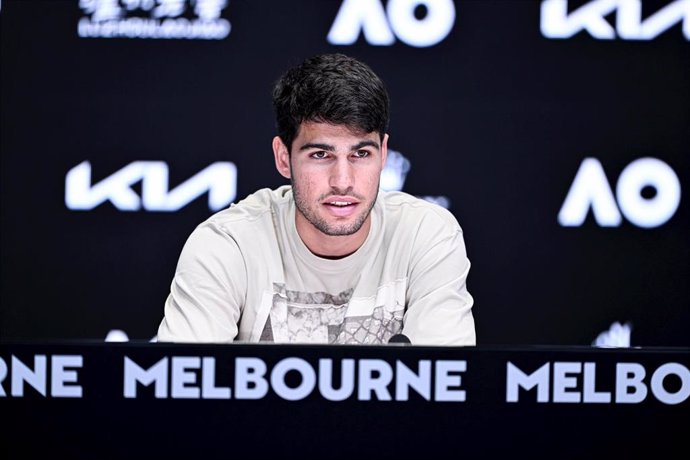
(384,151)
(282,157)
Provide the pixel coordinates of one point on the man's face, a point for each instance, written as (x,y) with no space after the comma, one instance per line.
(335,177)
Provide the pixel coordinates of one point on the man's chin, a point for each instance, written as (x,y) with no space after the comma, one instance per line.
(339,231)
(340,228)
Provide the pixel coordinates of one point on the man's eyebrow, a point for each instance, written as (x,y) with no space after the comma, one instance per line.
(366,143)
(330,148)
(326,147)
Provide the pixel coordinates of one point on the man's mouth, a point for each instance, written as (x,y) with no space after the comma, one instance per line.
(341,206)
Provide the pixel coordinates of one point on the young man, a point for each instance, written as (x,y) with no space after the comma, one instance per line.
(330,258)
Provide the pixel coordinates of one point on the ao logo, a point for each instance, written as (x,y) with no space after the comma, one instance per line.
(398,20)
(218,179)
(591,189)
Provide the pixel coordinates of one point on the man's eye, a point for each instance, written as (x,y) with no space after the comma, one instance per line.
(319,155)
(362,153)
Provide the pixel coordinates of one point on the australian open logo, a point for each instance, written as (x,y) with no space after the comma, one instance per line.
(395,172)
(155,19)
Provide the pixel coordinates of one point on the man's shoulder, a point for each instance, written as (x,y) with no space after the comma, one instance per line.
(249,217)
(406,208)
(255,206)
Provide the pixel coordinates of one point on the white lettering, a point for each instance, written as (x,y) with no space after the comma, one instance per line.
(630,26)
(590,394)
(357,16)
(182,375)
(629,376)
(134,27)
(425,32)
(629,383)
(374,377)
(61,376)
(648,212)
(562,382)
(590,188)
(406,378)
(516,379)
(3,376)
(218,179)
(556,22)
(368,17)
(249,378)
(658,383)
(305,387)
(133,374)
(209,390)
(347,379)
(35,377)
(445,380)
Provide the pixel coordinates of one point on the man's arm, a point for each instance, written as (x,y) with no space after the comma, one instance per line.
(439,307)
(207,292)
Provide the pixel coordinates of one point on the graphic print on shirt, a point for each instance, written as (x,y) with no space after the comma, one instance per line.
(320,317)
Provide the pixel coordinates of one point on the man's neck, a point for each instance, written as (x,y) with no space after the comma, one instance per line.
(327,246)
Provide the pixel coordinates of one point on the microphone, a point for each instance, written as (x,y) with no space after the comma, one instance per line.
(400,338)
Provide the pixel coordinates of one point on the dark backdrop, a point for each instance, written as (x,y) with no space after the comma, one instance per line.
(494,119)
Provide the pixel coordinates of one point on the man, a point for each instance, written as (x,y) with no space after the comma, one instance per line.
(331,258)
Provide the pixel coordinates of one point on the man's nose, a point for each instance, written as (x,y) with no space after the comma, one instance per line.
(342,176)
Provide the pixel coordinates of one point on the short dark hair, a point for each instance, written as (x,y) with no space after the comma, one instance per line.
(330,88)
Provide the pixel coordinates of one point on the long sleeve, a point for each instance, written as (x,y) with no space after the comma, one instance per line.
(439,307)
(207,291)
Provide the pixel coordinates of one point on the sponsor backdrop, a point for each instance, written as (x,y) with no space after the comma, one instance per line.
(556,131)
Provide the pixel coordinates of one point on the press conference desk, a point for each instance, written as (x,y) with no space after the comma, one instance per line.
(133,400)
